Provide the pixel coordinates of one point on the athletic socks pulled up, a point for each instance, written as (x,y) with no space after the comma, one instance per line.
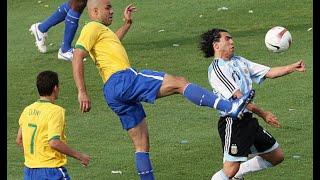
(57,17)
(143,165)
(203,97)
(71,26)
(255,164)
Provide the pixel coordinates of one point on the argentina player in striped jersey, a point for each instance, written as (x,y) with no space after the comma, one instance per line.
(230,76)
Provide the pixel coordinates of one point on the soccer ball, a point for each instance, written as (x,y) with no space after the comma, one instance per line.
(278,39)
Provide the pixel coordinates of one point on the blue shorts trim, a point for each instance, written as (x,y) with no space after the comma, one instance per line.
(59,173)
(125,90)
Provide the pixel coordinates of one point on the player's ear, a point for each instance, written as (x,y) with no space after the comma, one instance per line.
(56,91)
(95,11)
(56,88)
(215,45)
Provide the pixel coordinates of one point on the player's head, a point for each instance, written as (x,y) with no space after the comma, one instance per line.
(217,41)
(48,83)
(100,10)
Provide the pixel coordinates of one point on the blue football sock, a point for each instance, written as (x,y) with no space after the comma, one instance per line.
(203,97)
(57,17)
(71,26)
(143,165)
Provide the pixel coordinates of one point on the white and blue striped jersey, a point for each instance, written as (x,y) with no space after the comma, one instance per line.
(226,77)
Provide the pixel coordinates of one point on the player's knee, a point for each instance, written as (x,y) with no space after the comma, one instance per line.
(78,5)
(180,82)
(279,159)
(280,156)
(182,79)
(231,171)
(174,84)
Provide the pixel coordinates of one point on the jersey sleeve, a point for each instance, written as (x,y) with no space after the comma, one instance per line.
(257,71)
(88,37)
(56,124)
(221,80)
(21,118)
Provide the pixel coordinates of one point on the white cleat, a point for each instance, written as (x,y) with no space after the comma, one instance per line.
(40,37)
(67,56)
(240,104)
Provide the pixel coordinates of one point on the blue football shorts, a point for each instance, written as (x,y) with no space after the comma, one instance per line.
(125,90)
(59,173)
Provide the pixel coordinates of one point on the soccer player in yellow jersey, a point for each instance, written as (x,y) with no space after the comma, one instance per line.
(42,134)
(125,87)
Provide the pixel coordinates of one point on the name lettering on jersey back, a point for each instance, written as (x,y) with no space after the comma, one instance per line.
(34,112)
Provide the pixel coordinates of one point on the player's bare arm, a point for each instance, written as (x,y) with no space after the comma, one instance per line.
(65,149)
(121,32)
(267,116)
(19,139)
(275,72)
(78,75)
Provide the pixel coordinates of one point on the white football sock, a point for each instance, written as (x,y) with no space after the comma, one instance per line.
(255,164)
(220,175)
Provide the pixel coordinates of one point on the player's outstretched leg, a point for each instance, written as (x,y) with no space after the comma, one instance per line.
(201,96)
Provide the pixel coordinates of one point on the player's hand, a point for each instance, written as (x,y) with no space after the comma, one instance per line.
(299,66)
(128,11)
(271,119)
(84,159)
(84,101)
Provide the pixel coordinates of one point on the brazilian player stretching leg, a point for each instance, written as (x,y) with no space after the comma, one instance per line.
(42,134)
(69,12)
(125,87)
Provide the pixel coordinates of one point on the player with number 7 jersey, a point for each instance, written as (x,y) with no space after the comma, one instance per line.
(41,122)
(41,134)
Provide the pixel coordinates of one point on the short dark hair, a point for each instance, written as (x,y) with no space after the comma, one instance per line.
(207,39)
(46,80)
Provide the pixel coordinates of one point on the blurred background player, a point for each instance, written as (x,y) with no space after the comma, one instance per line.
(69,12)
(125,88)
(230,76)
(41,134)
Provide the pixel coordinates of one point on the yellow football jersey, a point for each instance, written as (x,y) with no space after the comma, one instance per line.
(104,48)
(41,122)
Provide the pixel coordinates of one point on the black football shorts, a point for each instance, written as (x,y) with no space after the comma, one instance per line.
(244,136)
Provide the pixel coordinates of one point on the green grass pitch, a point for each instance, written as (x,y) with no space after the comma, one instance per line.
(173,119)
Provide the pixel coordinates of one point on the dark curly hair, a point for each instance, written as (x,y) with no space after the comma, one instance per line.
(207,39)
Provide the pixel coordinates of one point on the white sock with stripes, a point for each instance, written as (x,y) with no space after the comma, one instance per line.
(255,164)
